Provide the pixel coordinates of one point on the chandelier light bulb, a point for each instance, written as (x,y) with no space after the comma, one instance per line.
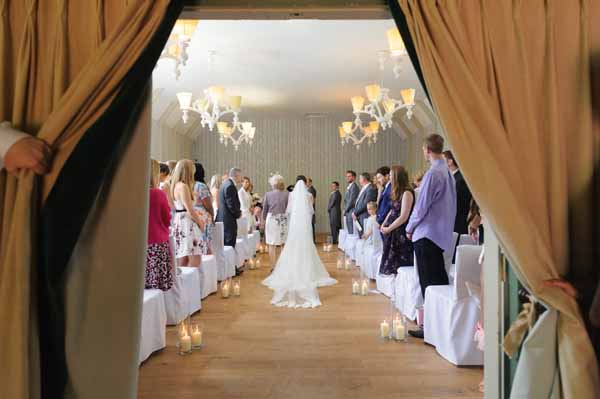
(222,127)
(388,105)
(395,42)
(373,92)
(347,127)
(408,96)
(374,127)
(342,132)
(357,103)
(235,102)
(185,100)
(216,93)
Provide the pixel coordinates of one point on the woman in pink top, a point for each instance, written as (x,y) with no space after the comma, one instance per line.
(158,260)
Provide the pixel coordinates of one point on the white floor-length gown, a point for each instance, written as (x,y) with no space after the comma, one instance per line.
(299,270)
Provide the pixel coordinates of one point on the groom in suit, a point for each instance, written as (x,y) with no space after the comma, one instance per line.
(368,193)
(350,199)
(334,209)
(229,209)
(463,195)
(385,202)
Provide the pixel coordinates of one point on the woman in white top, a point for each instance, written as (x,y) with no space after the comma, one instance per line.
(188,224)
(246,202)
(215,186)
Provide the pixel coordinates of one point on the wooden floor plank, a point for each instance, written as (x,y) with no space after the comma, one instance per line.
(255,350)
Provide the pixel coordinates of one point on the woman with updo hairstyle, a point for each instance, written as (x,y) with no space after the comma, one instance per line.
(274,216)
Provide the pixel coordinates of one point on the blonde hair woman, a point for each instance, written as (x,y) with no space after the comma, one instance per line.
(215,185)
(275,217)
(158,257)
(188,223)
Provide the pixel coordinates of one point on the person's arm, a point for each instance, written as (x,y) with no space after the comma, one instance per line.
(207,204)
(407,201)
(265,210)
(427,193)
(183,192)
(19,150)
(232,202)
(165,209)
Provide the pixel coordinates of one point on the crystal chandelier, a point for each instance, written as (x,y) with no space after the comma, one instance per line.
(245,133)
(178,42)
(381,108)
(212,107)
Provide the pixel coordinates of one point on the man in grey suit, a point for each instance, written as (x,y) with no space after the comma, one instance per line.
(334,209)
(368,193)
(350,199)
(229,206)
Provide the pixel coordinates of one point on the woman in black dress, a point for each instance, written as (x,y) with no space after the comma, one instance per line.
(397,248)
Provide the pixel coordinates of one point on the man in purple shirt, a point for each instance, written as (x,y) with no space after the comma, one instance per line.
(431,223)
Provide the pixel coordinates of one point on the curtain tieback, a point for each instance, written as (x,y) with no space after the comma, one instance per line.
(516,333)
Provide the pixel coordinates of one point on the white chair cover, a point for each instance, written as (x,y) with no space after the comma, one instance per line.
(385,284)
(224,268)
(242,245)
(448,255)
(407,297)
(154,321)
(232,259)
(183,292)
(350,246)
(451,314)
(342,239)
(208,273)
(466,239)
(359,250)
(253,242)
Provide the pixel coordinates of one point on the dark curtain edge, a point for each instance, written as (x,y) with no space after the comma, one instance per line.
(66,209)
(409,44)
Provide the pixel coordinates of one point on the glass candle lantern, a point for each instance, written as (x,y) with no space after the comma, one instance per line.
(184,339)
(385,329)
(237,288)
(364,287)
(340,264)
(399,329)
(197,336)
(348,264)
(355,287)
(226,289)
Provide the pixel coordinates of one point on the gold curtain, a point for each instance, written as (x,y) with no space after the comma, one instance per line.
(509,81)
(57,77)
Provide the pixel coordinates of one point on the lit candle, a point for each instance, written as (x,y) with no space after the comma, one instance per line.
(340,264)
(236,288)
(348,264)
(258,263)
(365,288)
(185,341)
(355,288)
(385,329)
(225,290)
(325,247)
(399,331)
(197,337)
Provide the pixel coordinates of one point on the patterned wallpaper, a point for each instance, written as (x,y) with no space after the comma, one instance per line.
(303,146)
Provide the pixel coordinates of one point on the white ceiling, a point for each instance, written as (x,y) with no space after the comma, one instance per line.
(286,67)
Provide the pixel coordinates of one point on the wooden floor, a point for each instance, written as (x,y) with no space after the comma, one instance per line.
(255,350)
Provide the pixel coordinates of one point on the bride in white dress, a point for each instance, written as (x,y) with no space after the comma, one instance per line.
(299,270)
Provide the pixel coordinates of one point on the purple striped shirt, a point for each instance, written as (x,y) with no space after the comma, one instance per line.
(435,210)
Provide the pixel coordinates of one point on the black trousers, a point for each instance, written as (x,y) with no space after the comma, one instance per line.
(430,264)
(335,232)
(230,236)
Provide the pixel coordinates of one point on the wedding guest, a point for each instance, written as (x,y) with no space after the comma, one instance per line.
(215,186)
(431,224)
(350,200)
(246,201)
(203,202)
(313,191)
(229,206)
(368,193)
(19,150)
(165,172)
(384,202)
(463,194)
(188,224)
(334,210)
(274,216)
(159,264)
(397,248)
(417,178)
(257,213)
(475,222)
